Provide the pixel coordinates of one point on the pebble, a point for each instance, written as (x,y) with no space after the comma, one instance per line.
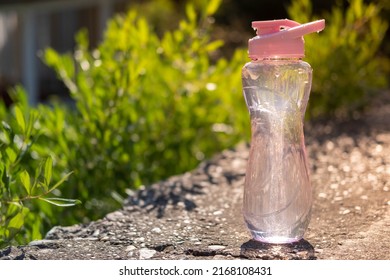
(322,195)
(130,248)
(156,230)
(146,253)
(140,240)
(114,216)
(216,247)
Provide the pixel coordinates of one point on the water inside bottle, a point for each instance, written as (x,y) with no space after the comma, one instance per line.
(277,189)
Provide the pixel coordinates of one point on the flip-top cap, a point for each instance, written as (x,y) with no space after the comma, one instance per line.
(281,38)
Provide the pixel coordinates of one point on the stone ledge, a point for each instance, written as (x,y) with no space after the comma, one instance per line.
(198,215)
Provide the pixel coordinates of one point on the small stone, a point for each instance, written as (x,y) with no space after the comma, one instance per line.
(130,248)
(322,195)
(130,254)
(156,230)
(334,186)
(146,253)
(114,216)
(330,145)
(140,240)
(346,211)
(216,247)
(346,168)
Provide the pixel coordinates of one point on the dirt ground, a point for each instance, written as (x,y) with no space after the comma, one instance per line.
(198,215)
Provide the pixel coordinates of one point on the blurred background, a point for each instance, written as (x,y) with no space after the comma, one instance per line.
(27,27)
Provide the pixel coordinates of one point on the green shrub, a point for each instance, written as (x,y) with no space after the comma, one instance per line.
(348,71)
(24,182)
(146,107)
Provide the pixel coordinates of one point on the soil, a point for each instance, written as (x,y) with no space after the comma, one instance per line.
(197,215)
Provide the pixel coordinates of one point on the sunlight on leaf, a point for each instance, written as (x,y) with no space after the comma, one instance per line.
(48,170)
(26,181)
(20,118)
(62,202)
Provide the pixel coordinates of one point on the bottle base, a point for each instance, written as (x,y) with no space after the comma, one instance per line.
(258,236)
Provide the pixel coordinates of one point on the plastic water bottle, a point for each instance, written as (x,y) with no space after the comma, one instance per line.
(276,85)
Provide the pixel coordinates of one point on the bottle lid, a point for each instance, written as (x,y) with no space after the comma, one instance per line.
(281,38)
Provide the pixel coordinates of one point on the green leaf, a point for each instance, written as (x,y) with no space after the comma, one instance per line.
(63,179)
(20,118)
(214,45)
(62,202)
(47,172)
(212,7)
(143,30)
(357,8)
(33,117)
(26,181)
(17,221)
(4,138)
(190,12)
(11,154)
(51,57)
(6,126)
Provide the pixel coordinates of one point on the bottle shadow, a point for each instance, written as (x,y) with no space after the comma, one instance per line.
(301,250)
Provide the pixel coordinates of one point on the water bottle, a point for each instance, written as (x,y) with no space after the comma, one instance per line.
(276,86)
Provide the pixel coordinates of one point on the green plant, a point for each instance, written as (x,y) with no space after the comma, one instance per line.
(24,183)
(146,107)
(348,71)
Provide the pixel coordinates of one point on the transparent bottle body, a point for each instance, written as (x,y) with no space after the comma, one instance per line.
(277,192)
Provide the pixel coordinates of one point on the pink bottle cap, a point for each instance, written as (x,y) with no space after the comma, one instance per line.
(281,38)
